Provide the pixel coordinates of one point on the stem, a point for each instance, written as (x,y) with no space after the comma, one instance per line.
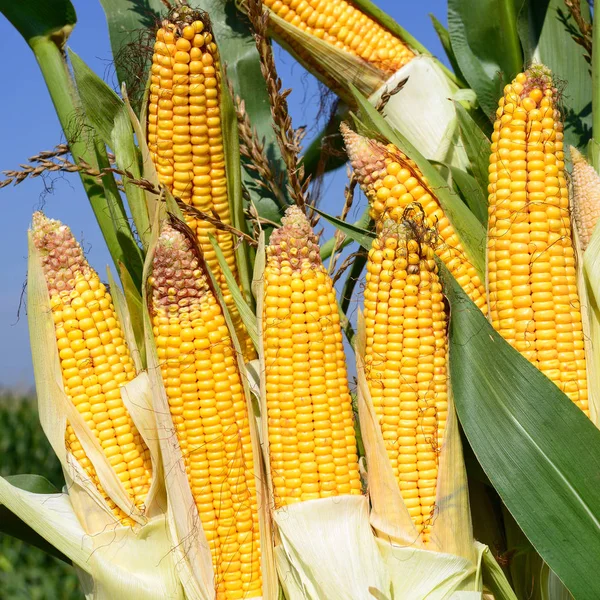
(82,146)
(594,147)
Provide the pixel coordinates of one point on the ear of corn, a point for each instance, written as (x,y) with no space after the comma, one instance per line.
(586,197)
(534,301)
(209,412)
(185,136)
(312,443)
(406,357)
(95,361)
(341,24)
(391,182)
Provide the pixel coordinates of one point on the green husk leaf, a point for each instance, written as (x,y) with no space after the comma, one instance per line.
(476,143)
(355,233)
(248,316)
(486,44)
(520,427)
(494,578)
(472,193)
(110,117)
(469,230)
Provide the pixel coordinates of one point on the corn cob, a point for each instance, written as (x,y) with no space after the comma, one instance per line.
(185,137)
(312,442)
(391,182)
(341,24)
(95,360)
(207,402)
(586,197)
(534,302)
(406,359)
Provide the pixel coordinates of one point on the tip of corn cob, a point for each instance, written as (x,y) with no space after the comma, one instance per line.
(177,276)
(367,156)
(295,241)
(61,254)
(586,197)
(182,16)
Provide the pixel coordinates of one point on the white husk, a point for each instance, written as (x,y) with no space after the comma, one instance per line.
(423,111)
(453,557)
(121,562)
(327,550)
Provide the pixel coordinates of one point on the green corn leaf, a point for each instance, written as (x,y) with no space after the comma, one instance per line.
(469,230)
(356,234)
(246,313)
(541,453)
(472,193)
(110,117)
(485,41)
(551,44)
(444,38)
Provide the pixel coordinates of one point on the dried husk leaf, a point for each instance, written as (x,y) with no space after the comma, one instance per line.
(55,409)
(424,112)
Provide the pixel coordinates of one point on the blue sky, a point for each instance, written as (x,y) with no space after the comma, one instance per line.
(29,125)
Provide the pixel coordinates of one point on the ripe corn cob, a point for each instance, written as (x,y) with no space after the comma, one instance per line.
(406,359)
(185,137)
(534,302)
(207,401)
(586,197)
(95,360)
(341,24)
(312,442)
(391,182)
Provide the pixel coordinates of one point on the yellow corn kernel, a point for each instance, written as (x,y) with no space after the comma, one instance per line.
(406,360)
(185,137)
(94,358)
(391,182)
(208,406)
(586,197)
(343,25)
(312,444)
(534,302)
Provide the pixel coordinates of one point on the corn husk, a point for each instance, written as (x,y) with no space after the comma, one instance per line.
(423,111)
(113,561)
(193,556)
(324,549)
(451,566)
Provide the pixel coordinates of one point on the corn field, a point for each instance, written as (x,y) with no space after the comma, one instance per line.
(220,422)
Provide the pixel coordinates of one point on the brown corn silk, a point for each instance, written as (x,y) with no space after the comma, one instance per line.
(532,279)
(312,444)
(185,137)
(586,197)
(95,361)
(406,358)
(392,182)
(342,25)
(199,367)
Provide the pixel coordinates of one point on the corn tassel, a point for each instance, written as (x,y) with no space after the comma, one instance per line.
(392,182)
(312,442)
(95,361)
(406,359)
(586,197)
(534,301)
(207,402)
(185,136)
